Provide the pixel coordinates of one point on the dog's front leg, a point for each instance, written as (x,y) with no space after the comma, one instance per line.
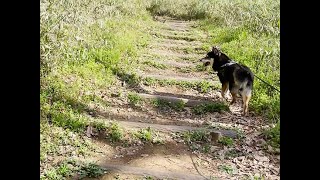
(224,89)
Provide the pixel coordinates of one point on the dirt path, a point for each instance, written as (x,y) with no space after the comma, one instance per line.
(175,47)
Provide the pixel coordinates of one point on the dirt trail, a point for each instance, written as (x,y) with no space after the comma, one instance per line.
(174,159)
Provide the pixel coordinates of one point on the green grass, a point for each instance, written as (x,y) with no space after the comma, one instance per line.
(155,64)
(91,170)
(177,37)
(272,135)
(201,86)
(198,140)
(52,138)
(195,136)
(197,68)
(148,135)
(115,133)
(100,125)
(210,107)
(161,103)
(71,168)
(226,141)
(184,69)
(200,68)
(80,57)
(144,134)
(147,178)
(134,98)
(226,168)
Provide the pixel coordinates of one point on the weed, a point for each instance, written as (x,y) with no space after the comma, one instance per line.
(157,139)
(210,107)
(156,65)
(204,86)
(200,68)
(185,70)
(91,170)
(226,168)
(134,98)
(52,175)
(201,86)
(178,37)
(144,134)
(100,125)
(64,170)
(188,50)
(232,153)
(179,105)
(226,141)
(206,148)
(273,135)
(148,178)
(195,136)
(149,81)
(161,103)
(115,133)
(52,138)
(132,79)
(69,168)
(258,177)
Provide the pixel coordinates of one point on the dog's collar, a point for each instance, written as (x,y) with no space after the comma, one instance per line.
(228,64)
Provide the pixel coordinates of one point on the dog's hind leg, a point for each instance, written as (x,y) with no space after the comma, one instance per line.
(224,89)
(234,97)
(246,99)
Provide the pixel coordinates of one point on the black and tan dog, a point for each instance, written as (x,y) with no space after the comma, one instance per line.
(238,78)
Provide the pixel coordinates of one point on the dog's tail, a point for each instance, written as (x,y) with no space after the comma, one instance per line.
(247,85)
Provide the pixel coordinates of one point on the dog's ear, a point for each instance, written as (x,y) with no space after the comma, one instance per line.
(216,50)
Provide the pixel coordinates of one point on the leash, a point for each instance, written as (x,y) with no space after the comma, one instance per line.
(233,62)
(267,83)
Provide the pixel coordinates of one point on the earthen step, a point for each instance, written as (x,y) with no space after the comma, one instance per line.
(172,45)
(171,99)
(168,53)
(180,78)
(176,64)
(180,42)
(175,128)
(126,169)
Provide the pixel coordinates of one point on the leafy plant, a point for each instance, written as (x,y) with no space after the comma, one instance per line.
(144,134)
(227,141)
(210,107)
(91,170)
(134,98)
(226,168)
(115,133)
(273,135)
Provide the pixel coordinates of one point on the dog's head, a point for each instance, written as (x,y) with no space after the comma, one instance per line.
(211,56)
